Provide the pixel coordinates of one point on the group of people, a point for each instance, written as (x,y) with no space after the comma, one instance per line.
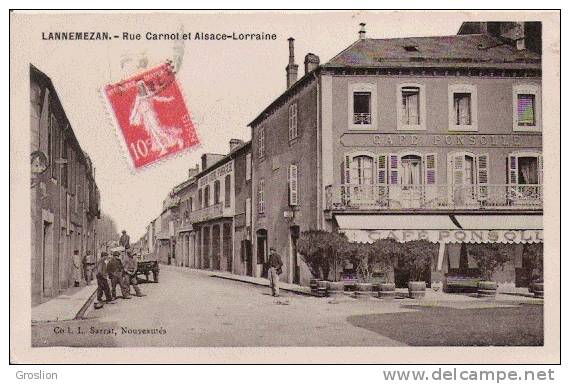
(114,270)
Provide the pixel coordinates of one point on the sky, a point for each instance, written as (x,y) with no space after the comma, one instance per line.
(225,84)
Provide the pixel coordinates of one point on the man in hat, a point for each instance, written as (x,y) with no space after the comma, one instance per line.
(275,263)
(77,268)
(102,282)
(116,270)
(88,266)
(124,240)
(130,265)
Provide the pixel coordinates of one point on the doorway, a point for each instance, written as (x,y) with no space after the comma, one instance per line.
(246,244)
(261,251)
(295,270)
(47,257)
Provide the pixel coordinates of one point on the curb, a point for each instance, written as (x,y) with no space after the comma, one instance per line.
(85,307)
(294,290)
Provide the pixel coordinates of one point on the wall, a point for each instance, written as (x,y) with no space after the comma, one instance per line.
(280,153)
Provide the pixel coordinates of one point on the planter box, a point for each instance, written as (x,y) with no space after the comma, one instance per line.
(387,291)
(335,288)
(487,289)
(417,289)
(363,290)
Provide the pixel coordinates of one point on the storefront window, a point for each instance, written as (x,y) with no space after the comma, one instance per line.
(528,170)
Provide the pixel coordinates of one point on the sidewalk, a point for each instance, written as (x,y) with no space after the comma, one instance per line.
(401,293)
(70,305)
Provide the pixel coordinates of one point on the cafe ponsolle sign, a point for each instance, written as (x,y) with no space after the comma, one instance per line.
(449,140)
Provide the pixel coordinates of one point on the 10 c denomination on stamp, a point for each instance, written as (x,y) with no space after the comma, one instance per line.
(150,112)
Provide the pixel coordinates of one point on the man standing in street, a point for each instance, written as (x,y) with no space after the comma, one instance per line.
(131,274)
(115,270)
(124,240)
(102,282)
(89,265)
(275,263)
(77,268)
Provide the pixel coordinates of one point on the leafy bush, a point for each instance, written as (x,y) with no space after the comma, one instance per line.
(322,251)
(489,257)
(415,256)
(534,256)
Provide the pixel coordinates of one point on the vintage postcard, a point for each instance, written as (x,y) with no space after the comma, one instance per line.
(256,187)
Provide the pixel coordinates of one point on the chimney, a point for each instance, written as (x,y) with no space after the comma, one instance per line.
(234,143)
(193,171)
(291,68)
(204,161)
(362,32)
(312,61)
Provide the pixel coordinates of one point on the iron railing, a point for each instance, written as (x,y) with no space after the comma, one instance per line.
(212,212)
(396,196)
(362,118)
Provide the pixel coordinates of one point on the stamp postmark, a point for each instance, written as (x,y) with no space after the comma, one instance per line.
(151,115)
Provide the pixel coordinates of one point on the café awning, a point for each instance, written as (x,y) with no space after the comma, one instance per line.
(444,229)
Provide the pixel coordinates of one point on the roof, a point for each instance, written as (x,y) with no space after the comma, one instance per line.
(455,50)
(224,159)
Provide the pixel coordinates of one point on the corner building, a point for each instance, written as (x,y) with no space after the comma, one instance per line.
(436,138)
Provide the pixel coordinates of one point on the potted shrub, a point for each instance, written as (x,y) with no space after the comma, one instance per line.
(387,251)
(321,251)
(360,255)
(533,255)
(488,257)
(416,257)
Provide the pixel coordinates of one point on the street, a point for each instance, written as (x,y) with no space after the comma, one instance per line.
(188,308)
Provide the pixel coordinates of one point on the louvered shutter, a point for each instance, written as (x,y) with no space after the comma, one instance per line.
(293,185)
(540,170)
(393,165)
(483,175)
(513,170)
(382,164)
(458,169)
(347,163)
(430,178)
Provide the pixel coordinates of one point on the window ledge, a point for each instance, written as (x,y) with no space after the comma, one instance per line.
(362,127)
(533,128)
(463,128)
(407,127)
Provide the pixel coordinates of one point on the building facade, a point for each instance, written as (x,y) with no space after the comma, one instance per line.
(65,201)
(436,138)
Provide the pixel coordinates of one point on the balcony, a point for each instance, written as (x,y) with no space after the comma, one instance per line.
(209,213)
(433,197)
(362,118)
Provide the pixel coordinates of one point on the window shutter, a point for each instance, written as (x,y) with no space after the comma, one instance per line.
(430,168)
(248,212)
(382,169)
(458,167)
(540,170)
(293,185)
(483,175)
(513,170)
(393,167)
(294,120)
(347,161)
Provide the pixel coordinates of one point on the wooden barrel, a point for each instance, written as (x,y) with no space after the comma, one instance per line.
(335,288)
(322,288)
(538,290)
(417,289)
(487,289)
(387,291)
(363,290)
(313,283)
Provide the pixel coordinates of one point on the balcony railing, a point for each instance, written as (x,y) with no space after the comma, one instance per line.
(433,197)
(212,212)
(362,118)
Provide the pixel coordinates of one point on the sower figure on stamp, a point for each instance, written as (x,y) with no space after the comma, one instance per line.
(102,282)
(275,263)
(115,270)
(131,274)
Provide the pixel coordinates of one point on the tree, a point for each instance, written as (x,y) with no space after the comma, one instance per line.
(534,257)
(489,257)
(416,256)
(106,229)
(386,254)
(321,251)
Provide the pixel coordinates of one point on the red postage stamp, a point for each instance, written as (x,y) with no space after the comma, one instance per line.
(151,115)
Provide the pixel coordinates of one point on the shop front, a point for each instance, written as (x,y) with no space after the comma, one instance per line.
(455,235)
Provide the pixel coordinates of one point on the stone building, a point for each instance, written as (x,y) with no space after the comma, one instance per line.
(65,202)
(429,137)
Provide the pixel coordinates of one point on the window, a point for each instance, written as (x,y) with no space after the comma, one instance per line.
(248,212)
(52,152)
(261,143)
(216,191)
(207,196)
(248,167)
(525,169)
(190,204)
(468,168)
(412,107)
(261,196)
(462,108)
(292,180)
(200,200)
(227,191)
(362,106)
(293,133)
(526,108)
(359,168)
